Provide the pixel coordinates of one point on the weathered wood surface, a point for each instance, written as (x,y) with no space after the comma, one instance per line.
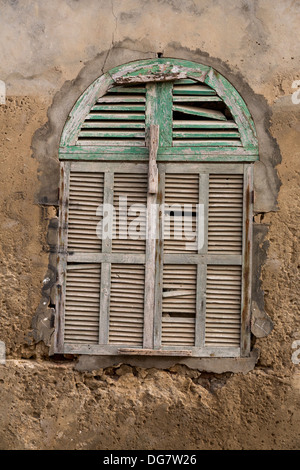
(62,257)
(79,348)
(154,352)
(202,112)
(153,171)
(160,75)
(138,153)
(105,266)
(151,237)
(191,88)
(247,260)
(158,71)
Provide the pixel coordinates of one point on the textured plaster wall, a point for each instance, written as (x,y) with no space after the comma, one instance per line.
(51,51)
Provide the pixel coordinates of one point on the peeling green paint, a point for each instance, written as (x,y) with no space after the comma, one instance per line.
(160,74)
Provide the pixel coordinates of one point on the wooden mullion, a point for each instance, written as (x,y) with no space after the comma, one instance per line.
(149,273)
(108,198)
(159,260)
(62,257)
(164,113)
(247,257)
(159,111)
(149,288)
(200,305)
(105,266)
(201,267)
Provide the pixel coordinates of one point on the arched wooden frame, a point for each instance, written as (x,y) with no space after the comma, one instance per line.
(161,70)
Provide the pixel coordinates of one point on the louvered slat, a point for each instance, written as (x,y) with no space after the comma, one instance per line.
(179,305)
(187,89)
(225,214)
(85,196)
(118,119)
(223,306)
(197,112)
(129,226)
(126,317)
(82,304)
(201,112)
(203,124)
(180,219)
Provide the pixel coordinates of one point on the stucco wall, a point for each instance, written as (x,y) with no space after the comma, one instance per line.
(51,51)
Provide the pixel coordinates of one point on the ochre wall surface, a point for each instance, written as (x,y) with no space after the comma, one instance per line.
(51,52)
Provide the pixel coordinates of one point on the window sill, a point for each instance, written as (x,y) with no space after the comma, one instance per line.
(207,364)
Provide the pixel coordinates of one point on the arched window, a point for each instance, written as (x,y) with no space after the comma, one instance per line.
(156,215)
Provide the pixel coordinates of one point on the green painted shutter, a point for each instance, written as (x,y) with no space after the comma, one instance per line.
(117,119)
(200,118)
(199,288)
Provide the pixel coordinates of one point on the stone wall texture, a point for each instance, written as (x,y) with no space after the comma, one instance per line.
(51,52)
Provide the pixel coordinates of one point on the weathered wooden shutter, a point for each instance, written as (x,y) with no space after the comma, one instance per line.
(179,305)
(82,303)
(200,118)
(201,300)
(199,285)
(104,278)
(180,199)
(225,216)
(117,118)
(85,196)
(130,192)
(126,312)
(223,306)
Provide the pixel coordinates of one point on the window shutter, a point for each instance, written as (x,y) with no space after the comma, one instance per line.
(200,117)
(82,304)
(130,192)
(225,214)
(181,200)
(201,300)
(223,306)
(117,119)
(126,314)
(85,196)
(179,305)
